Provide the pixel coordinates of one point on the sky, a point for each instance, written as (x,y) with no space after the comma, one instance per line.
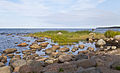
(59,13)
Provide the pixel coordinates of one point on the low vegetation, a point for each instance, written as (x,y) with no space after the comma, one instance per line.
(118,68)
(111,33)
(66,37)
(61,70)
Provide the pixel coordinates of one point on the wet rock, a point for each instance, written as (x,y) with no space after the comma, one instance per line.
(2,64)
(56,46)
(3,59)
(40,40)
(18,56)
(55,54)
(83,52)
(22,45)
(90,49)
(117,37)
(65,49)
(100,42)
(10,55)
(5,69)
(17,52)
(74,49)
(44,44)
(10,50)
(89,70)
(26,51)
(81,46)
(48,51)
(35,46)
(64,58)
(16,42)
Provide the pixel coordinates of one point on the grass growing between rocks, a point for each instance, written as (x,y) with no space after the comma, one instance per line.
(66,38)
(61,70)
(111,33)
(118,68)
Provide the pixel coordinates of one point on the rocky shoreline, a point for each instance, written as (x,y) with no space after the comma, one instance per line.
(106,59)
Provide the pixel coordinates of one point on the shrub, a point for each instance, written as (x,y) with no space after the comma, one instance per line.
(111,33)
(118,68)
(83,32)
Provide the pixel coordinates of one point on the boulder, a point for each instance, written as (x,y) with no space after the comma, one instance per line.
(56,46)
(55,54)
(64,58)
(90,49)
(116,65)
(74,49)
(10,55)
(117,37)
(2,64)
(80,57)
(88,70)
(10,50)
(18,63)
(22,45)
(100,42)
(35,46)
(44,44)
(65,49)
(83,52)
(81,46)
(49,61)
(48,51)
(85,63)
(33,67)
(3,59)
(5,69)
(40,40)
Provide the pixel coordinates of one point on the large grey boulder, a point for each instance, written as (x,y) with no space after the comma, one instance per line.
(117,37)
(5,69)
(100,42)
(88,70)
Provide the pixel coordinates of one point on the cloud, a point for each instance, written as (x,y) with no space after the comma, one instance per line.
(55,13)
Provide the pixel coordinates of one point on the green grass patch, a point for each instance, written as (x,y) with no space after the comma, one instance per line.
(111,33)
(118,68)
(61,70)
(66,38)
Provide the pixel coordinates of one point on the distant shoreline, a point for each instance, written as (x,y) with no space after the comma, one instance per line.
(108,27)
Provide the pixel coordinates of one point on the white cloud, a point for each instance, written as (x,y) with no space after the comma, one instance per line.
(55,13)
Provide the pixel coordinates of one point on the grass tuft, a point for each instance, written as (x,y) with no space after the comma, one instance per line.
(111,33)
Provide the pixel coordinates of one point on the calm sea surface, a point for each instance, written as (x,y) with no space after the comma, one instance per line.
(9,41)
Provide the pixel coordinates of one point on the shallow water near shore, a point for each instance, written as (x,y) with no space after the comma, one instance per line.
(9,41)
